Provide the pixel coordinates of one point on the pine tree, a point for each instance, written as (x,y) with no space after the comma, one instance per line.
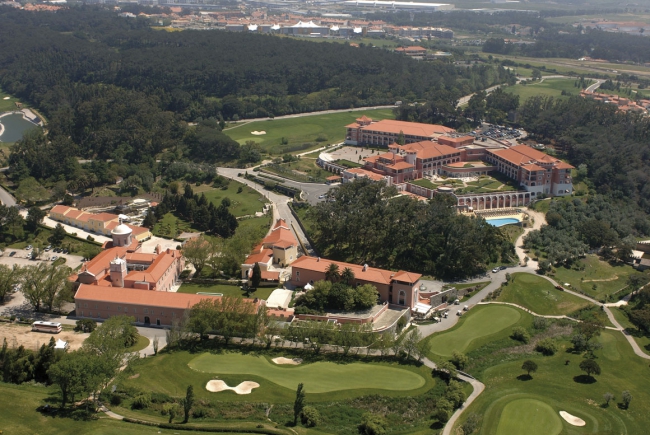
(299,403)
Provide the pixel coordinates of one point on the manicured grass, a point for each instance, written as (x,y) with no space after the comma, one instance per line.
(560,385)
(139,345)
(607,278)
(246,202)
(423,182)
(542,206)
(471,332)
(305,169)
(226,290)
(529,416)
(18,415)
(305,129)
(75,246)
(170,373)
(540,296)
(320,377)
(549,87)
(7,105)
(170,226)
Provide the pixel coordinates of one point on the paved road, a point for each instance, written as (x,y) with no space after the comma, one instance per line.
(595,85)
(281,204)
(6,198)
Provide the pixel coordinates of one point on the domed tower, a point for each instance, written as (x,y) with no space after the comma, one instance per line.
(118,272)
(121,235)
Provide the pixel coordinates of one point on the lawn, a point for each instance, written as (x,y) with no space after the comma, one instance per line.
(170,227)
(226,290)
(19,416)
(560,385)
(540,296)
(481,324)
(170,373)
(6,105)
(424,182)
(549,87)
(75,246)
(316,130)
(304,170)
(246,202)
(318,377)
(142,343)
(642,339)
(591,271)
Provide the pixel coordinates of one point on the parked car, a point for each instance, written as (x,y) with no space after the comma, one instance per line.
(495,270)
(559,287)
(65,251)
(54,258)
(502,268)
(12,253)
(28,247)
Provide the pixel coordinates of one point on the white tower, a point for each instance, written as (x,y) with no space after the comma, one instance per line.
(118,272)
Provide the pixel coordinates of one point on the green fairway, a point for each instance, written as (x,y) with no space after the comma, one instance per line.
(320,377)
(480,322)
(318,130)
(548,88)
(7,105)
(559,383)
(540,296)
(595,278)
(530,417)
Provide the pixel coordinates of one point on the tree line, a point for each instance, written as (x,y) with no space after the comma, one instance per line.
(366,222)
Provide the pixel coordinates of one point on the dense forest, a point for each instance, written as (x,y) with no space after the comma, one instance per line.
(113,88)
(595,43)
(610,148)
(367,223)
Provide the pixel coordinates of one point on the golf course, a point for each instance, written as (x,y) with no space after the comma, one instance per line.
(478,326)
(321,377)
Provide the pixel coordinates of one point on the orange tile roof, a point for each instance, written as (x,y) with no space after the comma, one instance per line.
(409,277)
(427,149)
(371,175)
(103,217)
(407,128)
(400,165)
(141,297)
(74,213)
(102,260)
(260,257)
(270,275)
(333,178)
(283,244)
(564,165)
(533,167)
(62,209)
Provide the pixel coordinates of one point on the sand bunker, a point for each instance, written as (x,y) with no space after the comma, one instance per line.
(258,133)
(246,387)
(572,419)
(6,98)
(283,360)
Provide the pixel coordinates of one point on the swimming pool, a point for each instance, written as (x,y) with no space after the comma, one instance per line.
(502,221)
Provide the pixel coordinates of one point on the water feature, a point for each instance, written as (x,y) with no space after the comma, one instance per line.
(499,222)
(14,127)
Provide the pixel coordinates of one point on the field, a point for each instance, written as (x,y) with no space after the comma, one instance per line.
(170,373)
(559,385)
(246,202)
(608,279)
(304,170)
(549,87)
(642,339)
(226,290)
(318,377)
(170,226)
(540,296)
(481,324)
(75,246)
(317,130)
(19,416)
(6,105)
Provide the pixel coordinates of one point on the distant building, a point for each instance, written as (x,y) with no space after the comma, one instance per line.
(101,223)
(400,5)
(277,250)
(365,132)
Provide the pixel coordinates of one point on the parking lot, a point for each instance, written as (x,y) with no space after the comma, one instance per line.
(498,132)
(22,258)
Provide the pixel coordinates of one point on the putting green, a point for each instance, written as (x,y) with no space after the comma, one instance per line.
(529,417)
(480,322)
(319,377)
(610,346)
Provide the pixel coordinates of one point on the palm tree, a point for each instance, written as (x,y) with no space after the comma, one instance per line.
(347,276)
(332,273)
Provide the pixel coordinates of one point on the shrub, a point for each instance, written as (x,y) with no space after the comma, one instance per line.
(520,334)
(459,360)
(540,323)
(471,424)
(85,325)
(116,400)
(141,401)
(546,346)
(310,416)
(372,424)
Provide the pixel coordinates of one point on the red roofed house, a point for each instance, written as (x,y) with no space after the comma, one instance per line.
(537,173)
(278,249)
(101,223)
(398,288)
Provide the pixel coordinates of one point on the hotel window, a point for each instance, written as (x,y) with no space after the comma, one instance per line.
(119,308)
(146,311)
(85,305)
(126,309)
(95,306)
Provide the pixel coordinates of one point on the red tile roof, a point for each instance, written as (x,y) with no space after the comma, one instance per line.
(141,297)
(407,128)
(259,257)
(409,277)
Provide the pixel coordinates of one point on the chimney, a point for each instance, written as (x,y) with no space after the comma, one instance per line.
(318,259)
(365,267)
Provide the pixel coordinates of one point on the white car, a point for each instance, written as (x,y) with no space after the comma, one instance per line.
(495,270)
(321,197)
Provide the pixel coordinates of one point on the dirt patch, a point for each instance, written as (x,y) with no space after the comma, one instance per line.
(18,335)
(283,360)
(217,385)
(552,332)
(258,133)
(572,419)
(614,278)
(136,376)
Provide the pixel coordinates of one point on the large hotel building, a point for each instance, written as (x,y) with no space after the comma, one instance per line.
(437,150)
